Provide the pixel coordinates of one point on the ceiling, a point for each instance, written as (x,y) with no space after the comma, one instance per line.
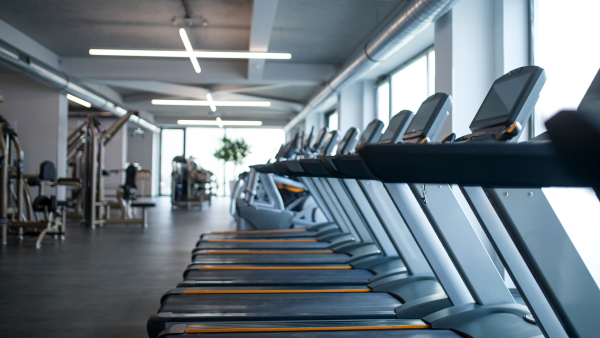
(320,35)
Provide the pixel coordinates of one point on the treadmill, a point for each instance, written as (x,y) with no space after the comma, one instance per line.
(345,248)
(324,143)
(325,237)
(471,311)
(200,275)
(254,271)
(210,305)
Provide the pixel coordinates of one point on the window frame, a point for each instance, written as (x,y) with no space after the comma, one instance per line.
(160,155)
(327,115)
(388,77)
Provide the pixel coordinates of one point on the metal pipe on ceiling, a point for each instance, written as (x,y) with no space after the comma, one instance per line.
(26,64)
(407,21)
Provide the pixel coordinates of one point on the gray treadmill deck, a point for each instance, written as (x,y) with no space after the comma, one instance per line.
(426,333)
(270,258)
(179,329)
(276,277)
(272,235)
(283,306)
(262,245)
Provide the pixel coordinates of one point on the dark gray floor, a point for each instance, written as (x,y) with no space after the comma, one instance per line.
(104,282)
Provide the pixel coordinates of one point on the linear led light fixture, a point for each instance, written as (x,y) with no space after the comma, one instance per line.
(211,103)
(189,49)
(218,123)
(78,100)
(208,103)
(197,54)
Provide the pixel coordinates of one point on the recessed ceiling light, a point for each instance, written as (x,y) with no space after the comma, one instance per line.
(189,49)
(219,123)
(208,103)
(78,100)
(197,54)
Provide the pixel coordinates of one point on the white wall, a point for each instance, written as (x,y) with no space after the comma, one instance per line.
(145,152)
(356,106)
(38,113)
(465,60)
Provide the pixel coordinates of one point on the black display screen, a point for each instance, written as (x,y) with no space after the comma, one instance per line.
(328,140)
(501,99)
(395,124)
(423,115)
(366,135)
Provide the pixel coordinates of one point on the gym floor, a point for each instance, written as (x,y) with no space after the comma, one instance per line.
(104,282)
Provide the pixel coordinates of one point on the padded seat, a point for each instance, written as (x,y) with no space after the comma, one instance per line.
(66,180)
(143,204)
(68,204)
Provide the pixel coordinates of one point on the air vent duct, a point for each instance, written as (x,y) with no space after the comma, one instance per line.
(405,23)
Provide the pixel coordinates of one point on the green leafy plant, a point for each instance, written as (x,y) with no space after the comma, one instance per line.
(233,151)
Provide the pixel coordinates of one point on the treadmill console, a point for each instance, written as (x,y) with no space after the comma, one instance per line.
(429,119)
(306,145)
(319,140)
(507,106)
(329,143)
(348,142)
(397,127)
(372,133)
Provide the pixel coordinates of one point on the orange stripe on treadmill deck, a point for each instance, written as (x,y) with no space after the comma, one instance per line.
(257,231)
(212,267)
(197,292)
(262,240)
(308,329)
(218,252)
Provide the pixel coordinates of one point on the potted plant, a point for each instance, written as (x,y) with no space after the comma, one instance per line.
(232,151)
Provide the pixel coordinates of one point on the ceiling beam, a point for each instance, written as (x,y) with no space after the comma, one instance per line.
(263,17)
(179,71)
(198,93)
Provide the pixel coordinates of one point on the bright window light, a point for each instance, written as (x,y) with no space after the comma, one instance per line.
(383,102)
(189,49)
(78,100)
(208,103)
(219,123)
(567,53)
(197,54)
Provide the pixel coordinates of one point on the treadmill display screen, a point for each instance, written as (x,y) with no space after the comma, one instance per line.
(391,130)
(422,116)
(501,99)
(368,133)
(326,144)
(344,143)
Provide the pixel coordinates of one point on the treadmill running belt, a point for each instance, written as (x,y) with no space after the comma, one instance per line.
(271,259)
(281,235)
(259,245)
(283,306)
(418,333)
(276,277)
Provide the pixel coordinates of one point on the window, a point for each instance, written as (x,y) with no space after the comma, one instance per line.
(331,120)
(171,145)
(383,101)
(202,143)
(410,85)
(407,87)
(564,46)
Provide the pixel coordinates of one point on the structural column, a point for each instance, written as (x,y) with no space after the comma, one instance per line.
(38,114)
